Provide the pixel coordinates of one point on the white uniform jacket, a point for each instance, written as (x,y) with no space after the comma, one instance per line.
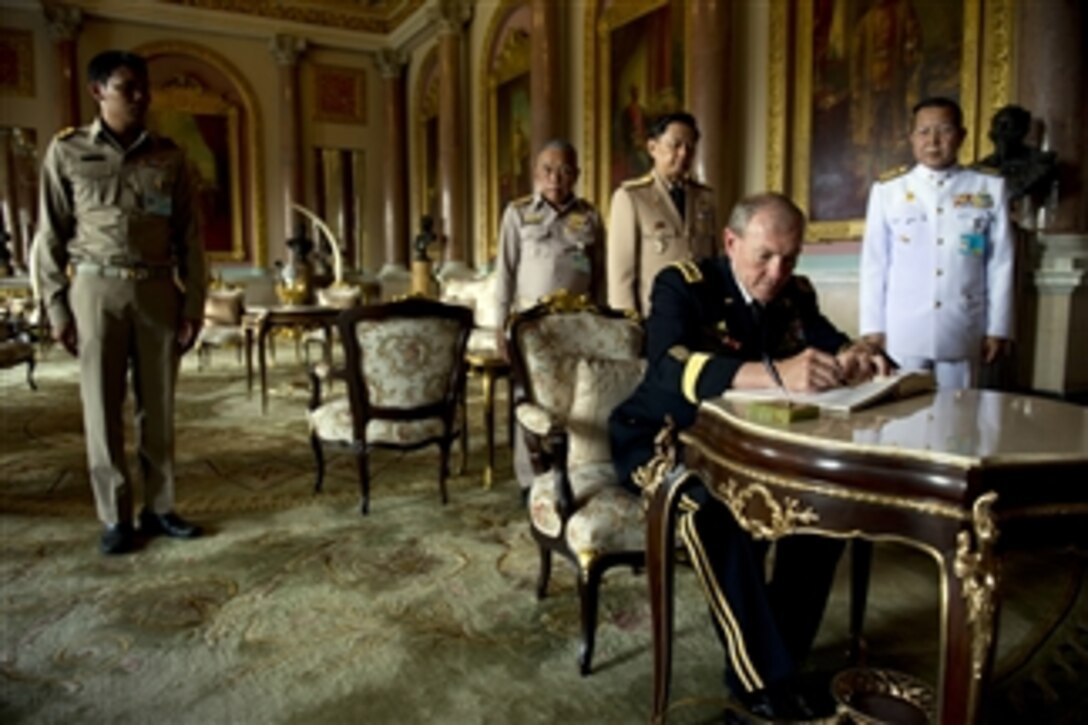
(937,263)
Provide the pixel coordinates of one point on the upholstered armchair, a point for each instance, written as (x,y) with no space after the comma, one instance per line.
(404,363)
(223,310)
(573,363)
(478,294)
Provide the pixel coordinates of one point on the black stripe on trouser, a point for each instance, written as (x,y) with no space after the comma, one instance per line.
(719,606)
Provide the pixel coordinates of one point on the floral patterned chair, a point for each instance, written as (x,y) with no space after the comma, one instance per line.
(573,363)
(223,311)
(404,363)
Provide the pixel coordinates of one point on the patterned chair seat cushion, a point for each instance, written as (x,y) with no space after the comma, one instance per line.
(332,422)
(607,518)
(599,386)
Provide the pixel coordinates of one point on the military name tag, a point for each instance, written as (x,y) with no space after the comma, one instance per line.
(972,244)
(158,203)
(580,261)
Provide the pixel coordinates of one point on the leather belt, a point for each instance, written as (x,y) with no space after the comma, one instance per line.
(114,271)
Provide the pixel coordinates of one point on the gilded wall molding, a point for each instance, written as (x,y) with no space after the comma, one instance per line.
(252,120)
(426,105)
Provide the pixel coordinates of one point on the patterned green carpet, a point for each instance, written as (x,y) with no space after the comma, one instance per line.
(295,609)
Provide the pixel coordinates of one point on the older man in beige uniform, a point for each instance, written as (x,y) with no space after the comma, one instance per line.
(662,217)
(121,270)
(548,241)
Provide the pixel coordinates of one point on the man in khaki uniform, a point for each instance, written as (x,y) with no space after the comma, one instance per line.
(548,241)
(662,217)
(120,269)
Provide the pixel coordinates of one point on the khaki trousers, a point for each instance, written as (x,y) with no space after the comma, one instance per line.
(127,325)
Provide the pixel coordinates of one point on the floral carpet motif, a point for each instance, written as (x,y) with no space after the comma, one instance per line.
(296,609)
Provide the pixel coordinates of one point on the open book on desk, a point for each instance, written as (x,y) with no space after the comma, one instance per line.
(847,398)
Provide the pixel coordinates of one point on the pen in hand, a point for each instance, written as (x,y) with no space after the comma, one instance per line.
(772,370)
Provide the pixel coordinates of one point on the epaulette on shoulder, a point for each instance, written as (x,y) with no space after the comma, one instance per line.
(522,200)
(894,173)
(65,133)
(988,170)
(644,180)
(690,270)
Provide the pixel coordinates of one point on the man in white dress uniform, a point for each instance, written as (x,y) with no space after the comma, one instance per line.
(937,257)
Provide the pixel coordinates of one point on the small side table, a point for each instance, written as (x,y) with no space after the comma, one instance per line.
(257,323)
(490,368)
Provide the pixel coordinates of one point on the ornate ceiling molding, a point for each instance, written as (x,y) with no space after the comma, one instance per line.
(369,16)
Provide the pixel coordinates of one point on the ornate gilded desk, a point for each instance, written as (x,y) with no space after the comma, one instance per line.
(258,322)
(962,475)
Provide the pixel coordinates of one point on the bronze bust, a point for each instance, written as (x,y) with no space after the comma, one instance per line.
(1028,171)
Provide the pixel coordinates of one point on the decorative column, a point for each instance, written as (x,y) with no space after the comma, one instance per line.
(287,50)
(1051,78)
(710,68)
(394,162)
(451,16)
(64,22)
(547,106)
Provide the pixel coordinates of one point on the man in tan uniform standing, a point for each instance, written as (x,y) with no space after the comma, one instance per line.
(662,217)
(116,212)
(548,241)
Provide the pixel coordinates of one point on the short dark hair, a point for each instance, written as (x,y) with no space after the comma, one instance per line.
(105,63)
(662,122)
(789,216)
(939,102)
(563,145)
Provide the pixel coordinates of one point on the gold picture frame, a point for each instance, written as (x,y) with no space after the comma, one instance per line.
(207,127)
(251,244)
(828,125)
(339,94)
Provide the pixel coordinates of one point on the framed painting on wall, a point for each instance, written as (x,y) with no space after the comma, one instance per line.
(641,76)
(510,128)
(206,127)
(16,62)
(857,69)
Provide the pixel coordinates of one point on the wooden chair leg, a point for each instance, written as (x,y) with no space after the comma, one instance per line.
(589,582)
(545,572)
(464,438)
(363,467)
(444,468)
(319,459)
(861,560)
(30,363)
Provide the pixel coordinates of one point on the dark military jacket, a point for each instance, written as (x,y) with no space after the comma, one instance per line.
(699,333)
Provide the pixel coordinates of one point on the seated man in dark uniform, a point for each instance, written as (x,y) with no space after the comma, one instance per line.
(718,324)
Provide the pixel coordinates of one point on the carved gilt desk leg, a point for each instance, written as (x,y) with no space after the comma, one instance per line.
(971,578)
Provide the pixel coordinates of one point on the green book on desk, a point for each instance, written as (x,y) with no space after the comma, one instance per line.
(838,400)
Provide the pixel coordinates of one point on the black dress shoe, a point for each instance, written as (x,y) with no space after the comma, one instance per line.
(777,703)
(168,524)
(117,539)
